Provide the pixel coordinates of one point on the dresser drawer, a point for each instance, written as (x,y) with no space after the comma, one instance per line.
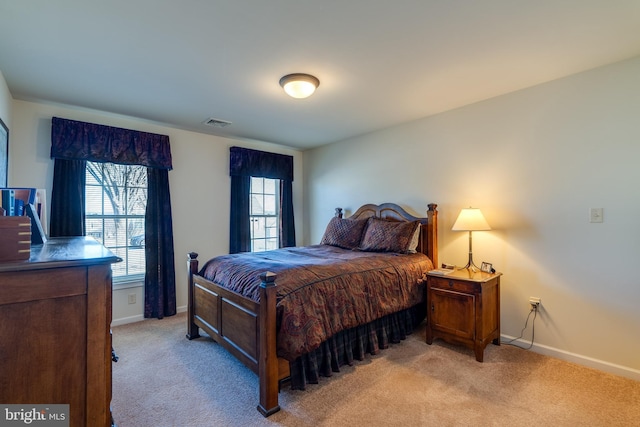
(42,284)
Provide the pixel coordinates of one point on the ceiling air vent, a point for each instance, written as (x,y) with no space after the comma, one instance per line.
(216,123)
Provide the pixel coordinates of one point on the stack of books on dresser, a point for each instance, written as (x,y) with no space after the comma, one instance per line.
(15,200)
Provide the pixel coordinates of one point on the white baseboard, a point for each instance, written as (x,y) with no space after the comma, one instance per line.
(125,320)
(578,359)
(140,317)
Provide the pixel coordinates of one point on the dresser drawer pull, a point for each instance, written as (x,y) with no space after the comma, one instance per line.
(450,283)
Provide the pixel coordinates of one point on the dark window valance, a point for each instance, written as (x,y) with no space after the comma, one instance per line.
(75,140)
(247,162)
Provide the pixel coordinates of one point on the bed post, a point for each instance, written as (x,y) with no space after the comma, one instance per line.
(432,231)
(192,268)
(267,358)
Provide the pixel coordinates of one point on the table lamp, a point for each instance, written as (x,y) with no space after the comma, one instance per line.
(470,219)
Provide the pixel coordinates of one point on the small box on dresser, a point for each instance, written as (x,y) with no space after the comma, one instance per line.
(15,238)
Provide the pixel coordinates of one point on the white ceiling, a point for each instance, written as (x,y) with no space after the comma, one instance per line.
(380,63)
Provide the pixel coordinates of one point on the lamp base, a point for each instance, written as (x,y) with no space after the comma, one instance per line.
(471,266)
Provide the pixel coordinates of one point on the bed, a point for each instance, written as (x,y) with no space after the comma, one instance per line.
(259,306)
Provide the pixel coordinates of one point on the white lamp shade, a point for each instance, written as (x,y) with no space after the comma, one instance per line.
(470,219)
(299,85)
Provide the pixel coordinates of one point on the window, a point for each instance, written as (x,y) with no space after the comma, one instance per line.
(264,213)
(116,198)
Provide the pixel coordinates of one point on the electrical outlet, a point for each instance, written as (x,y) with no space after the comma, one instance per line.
(132,298)
(535,302)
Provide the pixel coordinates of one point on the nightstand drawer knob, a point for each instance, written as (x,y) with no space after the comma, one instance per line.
(450,283)
(432,307)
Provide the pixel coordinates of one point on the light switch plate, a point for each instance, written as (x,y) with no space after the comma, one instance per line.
(595,214)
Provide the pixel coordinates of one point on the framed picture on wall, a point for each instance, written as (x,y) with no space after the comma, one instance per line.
(4,154)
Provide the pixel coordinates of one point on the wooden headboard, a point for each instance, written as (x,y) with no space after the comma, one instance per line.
(428,243)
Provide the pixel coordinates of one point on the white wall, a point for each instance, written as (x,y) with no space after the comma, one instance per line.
(534,161)
(199,184)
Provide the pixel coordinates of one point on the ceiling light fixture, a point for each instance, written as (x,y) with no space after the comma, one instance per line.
(299,85)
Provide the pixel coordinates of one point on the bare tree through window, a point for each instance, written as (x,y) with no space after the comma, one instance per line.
(116,198)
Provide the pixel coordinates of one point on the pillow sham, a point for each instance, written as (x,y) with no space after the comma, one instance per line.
(389,236)
(344,233)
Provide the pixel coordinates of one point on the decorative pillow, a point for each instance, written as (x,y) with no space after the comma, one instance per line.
(344,233)
(388,236)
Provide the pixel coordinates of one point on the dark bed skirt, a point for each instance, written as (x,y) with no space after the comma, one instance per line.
(353,344)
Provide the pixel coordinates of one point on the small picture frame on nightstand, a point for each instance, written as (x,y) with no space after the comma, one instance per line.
(487,267)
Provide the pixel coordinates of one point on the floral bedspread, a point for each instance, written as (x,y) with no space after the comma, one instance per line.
(322,290)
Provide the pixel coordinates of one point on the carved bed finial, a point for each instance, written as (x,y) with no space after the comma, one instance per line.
(338,213)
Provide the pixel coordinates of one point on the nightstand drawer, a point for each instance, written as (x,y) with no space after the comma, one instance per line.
(452,284)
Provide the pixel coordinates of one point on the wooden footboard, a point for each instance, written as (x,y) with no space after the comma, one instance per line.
(243,327)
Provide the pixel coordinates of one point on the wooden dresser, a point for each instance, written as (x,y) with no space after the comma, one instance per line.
(55,338)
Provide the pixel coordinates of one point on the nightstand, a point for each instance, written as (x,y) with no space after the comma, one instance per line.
(464,308)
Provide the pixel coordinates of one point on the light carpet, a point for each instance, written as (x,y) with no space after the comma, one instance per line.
(163,379)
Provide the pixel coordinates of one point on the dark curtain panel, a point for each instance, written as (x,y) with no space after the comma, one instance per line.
(245,163)
(287,224)
(74,142)
(240,227)
(67,198)
(160,277)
